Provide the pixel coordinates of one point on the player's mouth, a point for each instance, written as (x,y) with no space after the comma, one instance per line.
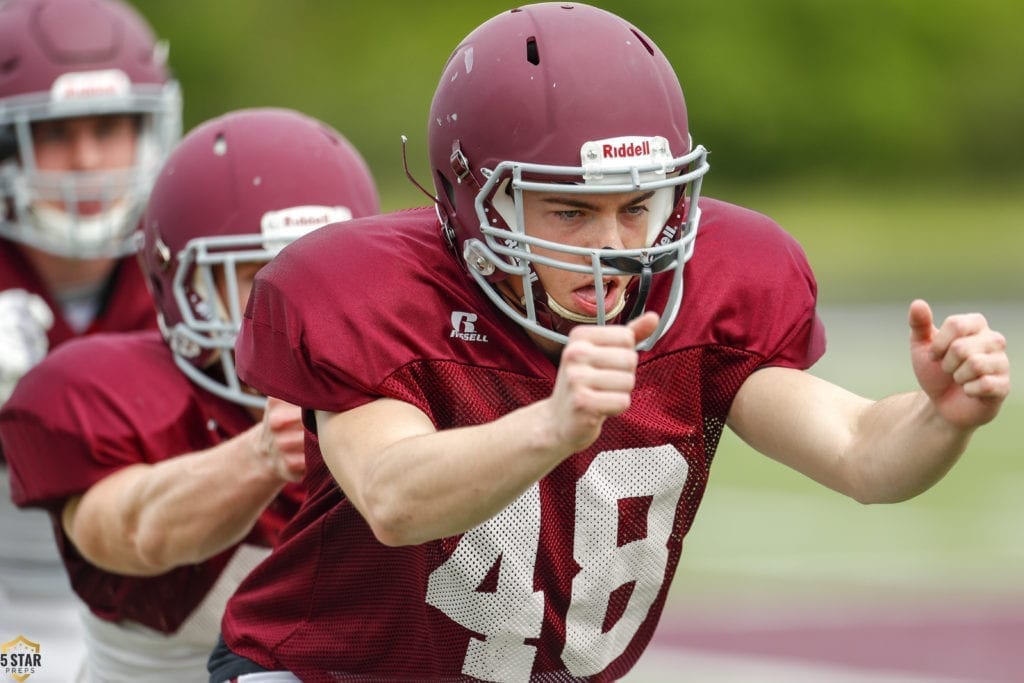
(80,209)
(90,208)
(585,298)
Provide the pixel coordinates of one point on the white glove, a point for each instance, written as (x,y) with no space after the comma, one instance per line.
(24,321)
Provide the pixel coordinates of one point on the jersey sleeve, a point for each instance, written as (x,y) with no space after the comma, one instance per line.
(750,286)
(799,341)
(87,410)
(279,351)
(333,314)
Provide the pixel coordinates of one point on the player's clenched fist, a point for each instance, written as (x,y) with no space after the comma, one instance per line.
(280,444)
(595,379)
(962,365)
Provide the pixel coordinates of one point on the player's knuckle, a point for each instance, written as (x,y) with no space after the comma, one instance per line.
(574,352)
(984,385)
(960,347)
(978,364)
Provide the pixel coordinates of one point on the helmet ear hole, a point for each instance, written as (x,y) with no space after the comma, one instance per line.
(532,54)
(643,41)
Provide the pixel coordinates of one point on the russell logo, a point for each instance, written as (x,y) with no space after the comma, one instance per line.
(464,327)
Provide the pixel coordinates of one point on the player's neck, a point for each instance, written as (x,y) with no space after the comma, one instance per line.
(61,274)
(549,347)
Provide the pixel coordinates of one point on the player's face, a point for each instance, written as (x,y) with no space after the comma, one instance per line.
(246,276)
(595,221)
(86,143)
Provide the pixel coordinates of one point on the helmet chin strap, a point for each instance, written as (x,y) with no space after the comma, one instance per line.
(563,312)
(645,267)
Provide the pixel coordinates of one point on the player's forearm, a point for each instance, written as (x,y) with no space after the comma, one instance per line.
(901,447)
(210,502)
(871,451)
(179,511)
(443,483)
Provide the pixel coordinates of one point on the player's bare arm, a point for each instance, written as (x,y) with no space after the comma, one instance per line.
(413,483)
(147,519)
(887,450)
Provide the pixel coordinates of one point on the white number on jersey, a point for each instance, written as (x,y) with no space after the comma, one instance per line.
(509,541)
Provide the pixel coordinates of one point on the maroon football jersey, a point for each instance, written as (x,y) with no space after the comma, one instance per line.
(127,305)
(101,403)
(569,581)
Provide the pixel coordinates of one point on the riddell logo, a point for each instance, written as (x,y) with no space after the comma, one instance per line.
(283,226)
(87,84)
(626,150)
(305,221)
(667,235)
(96,90)
(464,327)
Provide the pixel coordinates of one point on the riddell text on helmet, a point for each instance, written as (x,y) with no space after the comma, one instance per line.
(630,149)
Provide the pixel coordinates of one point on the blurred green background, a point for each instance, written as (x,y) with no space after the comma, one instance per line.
(887,135)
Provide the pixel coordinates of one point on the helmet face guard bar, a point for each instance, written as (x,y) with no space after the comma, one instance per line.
(509,251)
(210,323)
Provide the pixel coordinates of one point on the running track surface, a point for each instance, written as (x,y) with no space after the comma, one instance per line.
(980,645)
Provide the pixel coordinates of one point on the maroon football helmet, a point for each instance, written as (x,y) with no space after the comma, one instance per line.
(70,58)
(237,189)
(565,97)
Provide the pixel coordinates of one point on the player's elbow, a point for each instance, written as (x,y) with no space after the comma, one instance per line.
(123,552)
(392,522)
(391,536)
(153,554)
(885,496)
(869,488)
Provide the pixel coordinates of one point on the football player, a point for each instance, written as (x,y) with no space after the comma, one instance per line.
(516,406)
(167,478)
(88,112)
